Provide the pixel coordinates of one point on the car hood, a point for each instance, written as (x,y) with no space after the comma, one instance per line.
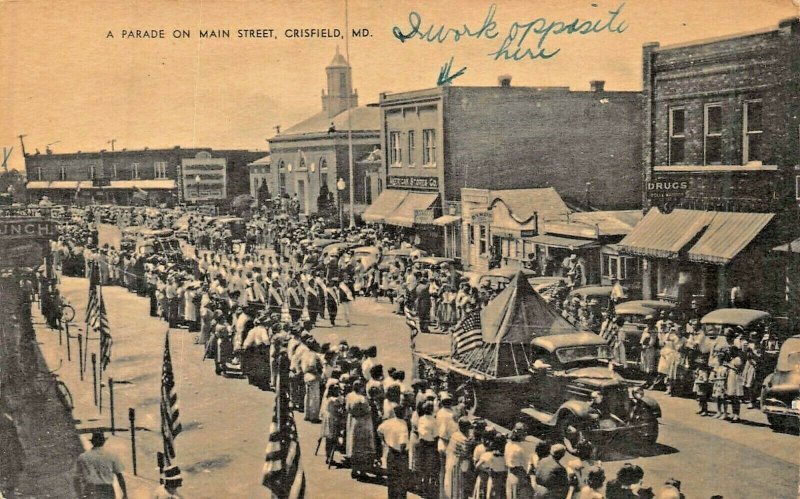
(595,376)
(784,381)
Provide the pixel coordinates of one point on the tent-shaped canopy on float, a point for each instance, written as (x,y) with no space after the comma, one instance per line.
(509,322)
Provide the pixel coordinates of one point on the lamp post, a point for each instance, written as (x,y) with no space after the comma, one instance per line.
(197,183)
(341,186)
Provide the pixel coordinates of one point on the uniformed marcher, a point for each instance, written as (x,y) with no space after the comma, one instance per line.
(95,472)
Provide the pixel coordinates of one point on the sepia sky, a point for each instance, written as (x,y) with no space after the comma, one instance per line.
(63,80)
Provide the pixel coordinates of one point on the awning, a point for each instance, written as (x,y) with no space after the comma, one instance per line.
(664,235)
(59,184)
(727,234)
(387,202)
(447,220)
(143,184)
(561,242)
(793,247)
(404,214)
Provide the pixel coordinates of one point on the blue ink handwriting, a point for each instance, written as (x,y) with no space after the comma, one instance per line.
(487,30)
(513,46)
(445,77)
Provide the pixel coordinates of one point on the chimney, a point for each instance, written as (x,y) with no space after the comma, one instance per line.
(790,25)
(504,81)
(597,85)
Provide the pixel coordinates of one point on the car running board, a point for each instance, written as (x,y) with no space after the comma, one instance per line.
(539,416)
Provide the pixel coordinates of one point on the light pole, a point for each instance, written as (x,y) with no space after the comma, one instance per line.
(341,186)
(197,180)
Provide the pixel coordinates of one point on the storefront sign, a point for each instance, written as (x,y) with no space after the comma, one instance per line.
(418,183)
(211,173)
(423,217)
(38,229)
(482,217)
(20,254)
(667,188)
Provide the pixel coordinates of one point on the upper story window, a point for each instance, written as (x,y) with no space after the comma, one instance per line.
(323,163)
(91,172)
(753,131)
(712,124)
(39,172)
(395,151)
(134,170)
(429,147)
(114,170)
(677,136)
(63,173)
(160,169)
(411,146)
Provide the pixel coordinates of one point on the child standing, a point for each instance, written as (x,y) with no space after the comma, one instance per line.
(702,385)
(719,377)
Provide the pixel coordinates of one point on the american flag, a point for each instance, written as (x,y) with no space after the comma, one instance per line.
(100,324)
(467,333)
(283,472)
(413,324)
(170,422)
(94,286)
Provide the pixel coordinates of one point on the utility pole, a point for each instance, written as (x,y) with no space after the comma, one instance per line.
(112,142)
(6,155)
(23,144)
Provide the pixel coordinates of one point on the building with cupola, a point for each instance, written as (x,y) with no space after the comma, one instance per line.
(316,151)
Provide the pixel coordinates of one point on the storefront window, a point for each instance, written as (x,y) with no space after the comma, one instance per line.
(483,239)
(620,267)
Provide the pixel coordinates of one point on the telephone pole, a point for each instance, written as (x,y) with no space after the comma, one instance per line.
(23,144)
(112,142)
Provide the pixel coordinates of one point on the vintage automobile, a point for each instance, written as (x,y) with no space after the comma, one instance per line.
(534,366)
(572,367)
(367,256)
(404,255)
(599,294)
(428,262)
(745,318)
(780,392)
(494,278)
(635,313)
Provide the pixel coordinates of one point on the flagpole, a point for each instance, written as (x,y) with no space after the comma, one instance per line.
(349,112)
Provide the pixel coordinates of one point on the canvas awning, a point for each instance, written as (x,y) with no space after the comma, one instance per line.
(385,205)
(727,234)
(59,184)
(720,236)
(664,235)
(790,247)
(143,184)
(447,220)
(561,242)
(404,214)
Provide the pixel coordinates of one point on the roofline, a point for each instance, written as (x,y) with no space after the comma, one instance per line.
(133,151)
(723,38)
(391,99)
(316,135)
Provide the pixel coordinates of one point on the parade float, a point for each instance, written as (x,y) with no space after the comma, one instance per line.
(534,366)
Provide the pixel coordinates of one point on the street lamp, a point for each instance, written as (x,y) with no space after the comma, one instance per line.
(197,180)
(340,186)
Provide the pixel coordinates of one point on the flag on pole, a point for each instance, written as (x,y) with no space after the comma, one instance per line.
(467,333)
(94,283)
(100,324)
(170,422)
(412,321)
(283,472)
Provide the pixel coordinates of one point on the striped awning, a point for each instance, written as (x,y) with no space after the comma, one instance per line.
(715,237)
(447,220)
(662,235)
(727,234)
(59,184)
(403,215)
(387,202)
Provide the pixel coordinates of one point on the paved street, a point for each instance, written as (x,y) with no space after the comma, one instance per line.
(225,421)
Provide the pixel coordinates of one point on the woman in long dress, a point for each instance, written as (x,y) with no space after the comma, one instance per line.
(331,414)
(648,342)
(426,456)
(360,444)
(312,370)
(458,462)
(518,483)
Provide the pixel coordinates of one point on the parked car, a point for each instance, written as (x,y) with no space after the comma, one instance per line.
(428,262)
(780,392)
(495,278)
(574,366)
(405,255)
(599,294)
(746,318)
(635,313)
(368,256)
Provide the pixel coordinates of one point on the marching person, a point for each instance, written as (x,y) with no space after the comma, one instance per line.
(96,469)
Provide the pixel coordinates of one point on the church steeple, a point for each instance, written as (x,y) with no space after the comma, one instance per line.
(340,94)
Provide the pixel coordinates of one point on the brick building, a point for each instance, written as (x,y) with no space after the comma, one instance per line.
(117,176)
(316,152)
(721,164)
(584,144)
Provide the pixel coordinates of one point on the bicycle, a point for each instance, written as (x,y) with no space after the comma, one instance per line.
(44,380)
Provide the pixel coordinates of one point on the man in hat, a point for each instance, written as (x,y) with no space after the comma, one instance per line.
(552,475)
(171,481)
(95,471)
